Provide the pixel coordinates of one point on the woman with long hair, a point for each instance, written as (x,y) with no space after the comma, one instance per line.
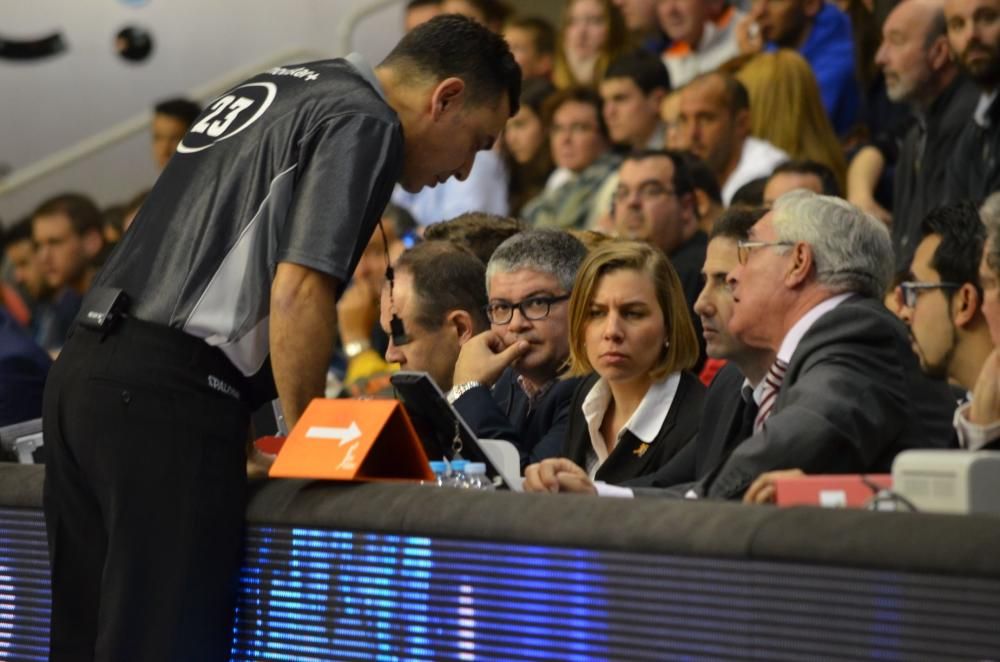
(631,334)
(591,34)
(787,111)
(525,145)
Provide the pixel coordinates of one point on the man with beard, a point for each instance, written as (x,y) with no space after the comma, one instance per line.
(919,71)
(942,301)
(974,37)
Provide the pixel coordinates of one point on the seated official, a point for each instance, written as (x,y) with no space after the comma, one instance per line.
(507,380)
(629,325)
(439,296)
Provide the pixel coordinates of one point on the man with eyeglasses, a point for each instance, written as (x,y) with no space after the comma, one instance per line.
(845,393)
(507,379)
(654,202)
(941,301)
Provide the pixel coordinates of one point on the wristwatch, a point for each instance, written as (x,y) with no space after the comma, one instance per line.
(457,391)
(355,347)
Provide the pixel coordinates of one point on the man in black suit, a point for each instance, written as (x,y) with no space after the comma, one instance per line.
(528,279)
(846,393)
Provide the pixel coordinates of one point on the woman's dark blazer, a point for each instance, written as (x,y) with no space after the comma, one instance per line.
(629,459)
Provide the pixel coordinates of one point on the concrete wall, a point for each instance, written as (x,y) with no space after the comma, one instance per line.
(51,104)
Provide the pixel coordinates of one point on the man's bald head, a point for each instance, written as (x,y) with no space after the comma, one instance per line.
(914,52)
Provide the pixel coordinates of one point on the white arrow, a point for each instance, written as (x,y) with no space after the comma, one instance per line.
(345,435)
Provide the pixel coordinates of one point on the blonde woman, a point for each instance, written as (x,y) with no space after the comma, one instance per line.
(592,33)
(631,334)
(787,111)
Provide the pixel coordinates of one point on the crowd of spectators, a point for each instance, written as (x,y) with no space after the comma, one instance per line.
(717,240)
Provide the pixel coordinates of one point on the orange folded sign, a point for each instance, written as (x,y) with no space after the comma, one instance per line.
(353,440)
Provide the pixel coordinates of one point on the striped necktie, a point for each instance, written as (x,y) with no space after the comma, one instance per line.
(772,384)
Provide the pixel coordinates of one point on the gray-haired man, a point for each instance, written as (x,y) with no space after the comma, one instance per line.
(847,391)
(528,281)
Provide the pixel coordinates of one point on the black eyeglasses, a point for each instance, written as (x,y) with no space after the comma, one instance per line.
(912,289)
(532,308)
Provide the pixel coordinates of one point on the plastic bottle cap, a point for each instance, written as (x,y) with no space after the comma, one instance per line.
(438,467)
(478,468)
(459,465)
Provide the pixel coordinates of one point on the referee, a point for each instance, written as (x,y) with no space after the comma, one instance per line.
(222,292)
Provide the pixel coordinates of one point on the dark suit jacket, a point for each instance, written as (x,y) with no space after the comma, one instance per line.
(678,429)
(502,413)
(852,398)
(720,430)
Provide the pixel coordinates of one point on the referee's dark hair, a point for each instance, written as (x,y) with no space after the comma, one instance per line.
(453,45)
(185,110)
(83,214)
(446,277)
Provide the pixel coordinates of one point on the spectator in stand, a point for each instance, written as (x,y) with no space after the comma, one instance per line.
(707,194)
(580,147)
(67,234)
(532,40)
(920,72)
(420,11)
(491,13)
(974,37)
(715,125)
(48,323)
(23,368)
(508,380)
(786,110)
(632,90)
(941,300)
(525,147)
(643,25)
(793,175)
(171,120)
(439,294)
(821,33)
(702,33)
(655,203)
(670,112)
(592,34)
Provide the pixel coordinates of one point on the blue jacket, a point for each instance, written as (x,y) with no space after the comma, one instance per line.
(23,368)
(829,50)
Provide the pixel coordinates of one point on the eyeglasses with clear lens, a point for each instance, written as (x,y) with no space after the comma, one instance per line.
(743,248)
(911,290)
(532,308)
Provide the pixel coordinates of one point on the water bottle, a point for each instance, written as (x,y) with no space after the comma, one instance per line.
(476,475)
(458,477)
(440,469)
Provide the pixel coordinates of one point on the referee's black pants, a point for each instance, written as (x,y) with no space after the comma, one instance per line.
(145,492)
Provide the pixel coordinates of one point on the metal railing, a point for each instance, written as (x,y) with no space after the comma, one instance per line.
(140,122)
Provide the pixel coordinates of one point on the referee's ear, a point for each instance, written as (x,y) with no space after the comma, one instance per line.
(447,98)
